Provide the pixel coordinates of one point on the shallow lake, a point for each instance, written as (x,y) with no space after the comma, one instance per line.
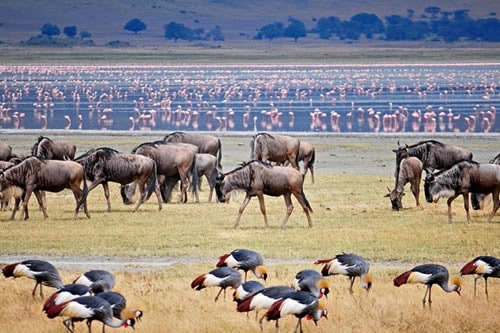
(337,98)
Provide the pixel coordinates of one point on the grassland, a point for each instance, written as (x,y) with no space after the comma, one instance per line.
(350,214)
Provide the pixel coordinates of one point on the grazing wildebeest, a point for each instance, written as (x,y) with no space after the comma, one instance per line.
(174,162)
(49,149)
(206,165)
(206,143)
(433,154)
(477,199)
(307,155)
(257,178)
(103,165)
(462,178)
(35,175)
(410,171)
(6,152)
(275,148)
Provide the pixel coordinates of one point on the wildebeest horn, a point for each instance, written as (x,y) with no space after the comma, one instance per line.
(388,189)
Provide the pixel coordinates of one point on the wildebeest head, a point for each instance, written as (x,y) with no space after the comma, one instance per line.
(219,186)
(435,190)
(476,199)
(396,198)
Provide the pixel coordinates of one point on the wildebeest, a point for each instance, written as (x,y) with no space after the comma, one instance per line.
(50,149)
(35,175)
(6,152)
(206,165)
(257,178)
(12,192)
(460,179)
(410,171)
(433,154)
(275,148)
(307,155)
(173,162)
(206,143)
(103,165)
(477,199)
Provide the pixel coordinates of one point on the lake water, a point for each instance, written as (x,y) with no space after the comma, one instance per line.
(346,98)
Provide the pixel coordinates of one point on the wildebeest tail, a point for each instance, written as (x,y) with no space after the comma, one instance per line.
(313,158)
(297,155)
(308,205)
(219,153)
(152,182)
(194,176)
(252,147)
(85,190)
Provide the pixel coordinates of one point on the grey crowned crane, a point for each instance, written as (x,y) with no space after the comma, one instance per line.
(97,280)
(300,304)
(87,308)
(484,267)
(246,260)
(350,265)
(43,272)
(222,277)
(311,281)
(429,274)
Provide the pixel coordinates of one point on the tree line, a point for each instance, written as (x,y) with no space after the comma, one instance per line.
(434,25)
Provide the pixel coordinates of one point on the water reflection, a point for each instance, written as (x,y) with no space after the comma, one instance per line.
(417,98)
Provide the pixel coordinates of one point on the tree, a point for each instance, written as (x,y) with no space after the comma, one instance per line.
(70,31)
(135,25)
(369,24)
(271,31)
(326,27)
(85,34)
(49,29)
(295,29)
(176,31)
(216,33)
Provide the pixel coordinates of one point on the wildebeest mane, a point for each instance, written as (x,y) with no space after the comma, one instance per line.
(144,144)
(174,134)
(456,165)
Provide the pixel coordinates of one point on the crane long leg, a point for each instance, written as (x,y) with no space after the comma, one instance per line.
(218,294)
(67,323)
(352,278)
(486,287)
(425,296)
(475,282)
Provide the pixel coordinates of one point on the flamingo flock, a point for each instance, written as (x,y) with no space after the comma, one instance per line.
(283,98)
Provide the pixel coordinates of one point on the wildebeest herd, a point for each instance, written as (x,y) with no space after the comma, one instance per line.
(158,166)
(450,172)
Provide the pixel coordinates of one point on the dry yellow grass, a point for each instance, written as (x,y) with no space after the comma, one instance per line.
(350,214)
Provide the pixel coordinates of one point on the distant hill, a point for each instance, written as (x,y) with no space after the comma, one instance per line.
(239,20)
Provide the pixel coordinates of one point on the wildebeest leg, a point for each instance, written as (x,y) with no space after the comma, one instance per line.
(305,207)
(78,193)
(17,201)
(158,195)
(450,200)
(466,205)
(496,204)
(105,187)
(263,208)
(40,198)
(289,208)
(242,208)
(26,199)
(415,189)
(142,197)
